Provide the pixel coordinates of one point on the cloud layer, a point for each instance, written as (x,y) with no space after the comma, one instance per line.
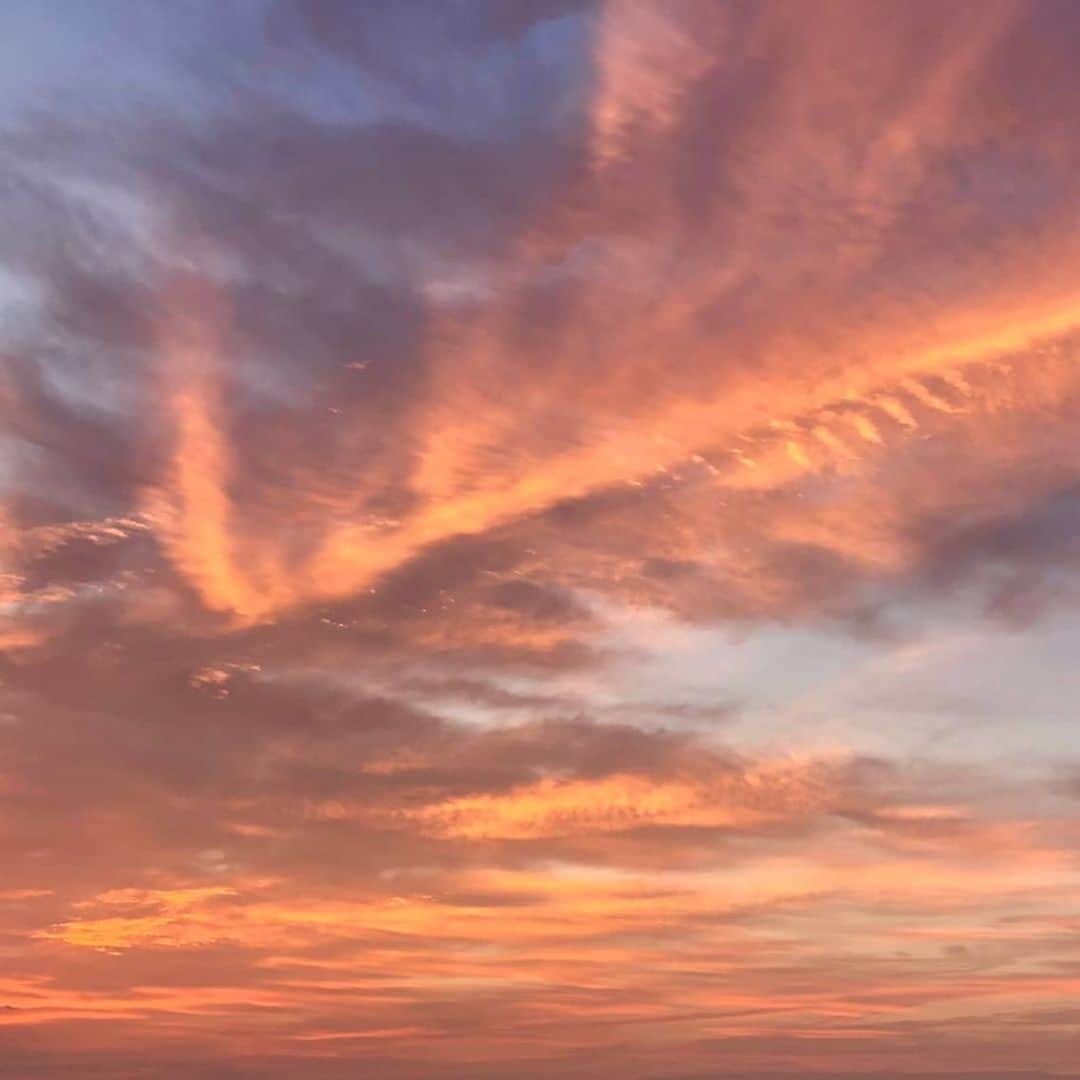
(446,447)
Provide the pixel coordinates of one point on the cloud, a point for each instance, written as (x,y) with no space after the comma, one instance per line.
(387,392)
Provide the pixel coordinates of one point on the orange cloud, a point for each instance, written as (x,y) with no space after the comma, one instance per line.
(551,807)
(760,323)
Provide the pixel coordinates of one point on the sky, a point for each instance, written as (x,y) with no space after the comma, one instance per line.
(539,539)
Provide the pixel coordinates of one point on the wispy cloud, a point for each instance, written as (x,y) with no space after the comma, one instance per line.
(418,419)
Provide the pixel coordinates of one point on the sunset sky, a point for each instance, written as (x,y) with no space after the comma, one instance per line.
(539,539)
